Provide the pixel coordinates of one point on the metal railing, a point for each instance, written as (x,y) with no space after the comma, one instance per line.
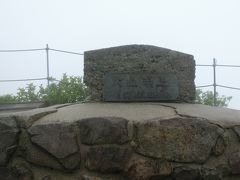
(47,49)
(215,85)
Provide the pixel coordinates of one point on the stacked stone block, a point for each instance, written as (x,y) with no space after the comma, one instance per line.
(114,148)
(139,59)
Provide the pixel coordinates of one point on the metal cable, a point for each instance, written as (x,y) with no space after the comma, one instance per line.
(228,87)
(221,65)
(16,80)
(203,65)
(21,50)
(204,86)
(228,65)
(68,52)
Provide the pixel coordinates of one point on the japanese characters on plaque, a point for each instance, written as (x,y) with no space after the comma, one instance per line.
(140,87)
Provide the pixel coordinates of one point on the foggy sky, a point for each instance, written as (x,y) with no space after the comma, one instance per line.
(206,29)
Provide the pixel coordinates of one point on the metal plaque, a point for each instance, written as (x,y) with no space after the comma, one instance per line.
(140,87)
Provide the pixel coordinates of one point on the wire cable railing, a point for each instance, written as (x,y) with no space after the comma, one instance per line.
(17,80)
(228,87)
(204,86)
(221,65)
(68,52)
(48,78)
(215,85)
(47,49)
(214,66)
(21,50)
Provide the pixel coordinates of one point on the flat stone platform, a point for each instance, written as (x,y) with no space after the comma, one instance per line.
(143,111)
(116,141)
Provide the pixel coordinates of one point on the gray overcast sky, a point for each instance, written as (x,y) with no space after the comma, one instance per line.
(203,28)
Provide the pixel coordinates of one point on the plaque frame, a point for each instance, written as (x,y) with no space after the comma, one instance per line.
(140,86)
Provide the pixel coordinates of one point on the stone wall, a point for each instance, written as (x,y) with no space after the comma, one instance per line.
(139,58)
(104,141)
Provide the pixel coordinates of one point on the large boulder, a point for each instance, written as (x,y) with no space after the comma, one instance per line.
(108,130)
(59,140)
(107,159)
(178,139)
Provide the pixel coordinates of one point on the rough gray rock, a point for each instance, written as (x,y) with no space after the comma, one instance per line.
(8,138)
(34,154)
(107,159)
(237,131)
(210,174)
(109,130)
(26,118)
(139,58)
(219,147)
(72,161)
(177,139)
(234,162)
(21,169)
(119,141)
(186,173)
(140,168)
(87,177)
(7,174)
(59,140)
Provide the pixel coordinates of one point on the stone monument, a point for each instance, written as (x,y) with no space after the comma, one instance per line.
(112,139)
(139,73)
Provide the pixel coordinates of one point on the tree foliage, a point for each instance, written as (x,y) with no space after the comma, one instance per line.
(68,90)
(71,89)
(207,98)
(7,98)
(28,94)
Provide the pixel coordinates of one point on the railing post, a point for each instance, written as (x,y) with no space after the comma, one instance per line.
(214,83)
(47,52)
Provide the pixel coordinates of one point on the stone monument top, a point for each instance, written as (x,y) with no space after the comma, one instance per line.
(139,73)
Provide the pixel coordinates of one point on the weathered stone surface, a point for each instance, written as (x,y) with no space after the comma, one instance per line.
(219,147)
(217,165)
(139,58)
(21,169)
(7,174)
(140,168)
(237,131)
(210,174)
(167,144)
(128,111)
(186,173)
(224,117)
(108,130)
(8,138)
(57,139)
(47,178)
(177,139)
(87,177)
(33,154)
(234,162)
(72,161)
(26,118)
(107,159)
(18,170)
